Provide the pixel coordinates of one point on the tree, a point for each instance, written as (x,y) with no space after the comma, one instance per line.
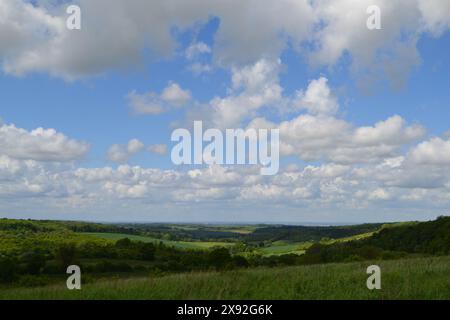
(34,262)
(8,269)
(240,262)
(147,251)
(66,255)
(220,258)
(123,243)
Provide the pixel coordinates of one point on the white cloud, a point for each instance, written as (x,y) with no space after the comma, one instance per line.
(253,87)
(196,49)
(175,96)
(34,37)
(121,153)
(147,103)
(435,15)
(151,103)
(379,194)
(39,144)
(313,188)
(160,149)
(38,40)
(319,134)
(435,152)
(318,98)
(333,139)
(393,131)
(198,68)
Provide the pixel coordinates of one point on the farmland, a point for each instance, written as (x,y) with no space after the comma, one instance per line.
(165,261)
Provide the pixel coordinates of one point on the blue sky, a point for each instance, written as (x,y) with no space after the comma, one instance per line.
(380,151)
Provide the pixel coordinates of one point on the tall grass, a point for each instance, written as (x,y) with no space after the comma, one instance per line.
(424,278)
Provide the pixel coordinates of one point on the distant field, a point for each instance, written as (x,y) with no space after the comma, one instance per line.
(280,247)
(177,244)
(424,278)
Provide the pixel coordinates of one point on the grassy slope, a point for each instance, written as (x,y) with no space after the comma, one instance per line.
(283,247)
(177,244)
(424,278)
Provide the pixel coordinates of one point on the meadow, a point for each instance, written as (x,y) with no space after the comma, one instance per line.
(421,278)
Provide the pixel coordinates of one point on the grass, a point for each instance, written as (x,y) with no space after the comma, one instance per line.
(177,244)
(422,278)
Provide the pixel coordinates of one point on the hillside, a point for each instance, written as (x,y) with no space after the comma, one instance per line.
(36,253)
(425,278)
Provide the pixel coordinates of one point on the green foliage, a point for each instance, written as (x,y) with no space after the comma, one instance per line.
(431,237)
(220,258)
(8,269)
(66,255)
(34,262)
(425,278)
(45,248)
(304,234)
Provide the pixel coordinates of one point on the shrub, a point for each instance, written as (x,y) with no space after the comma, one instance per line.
(8,269)
(66,255)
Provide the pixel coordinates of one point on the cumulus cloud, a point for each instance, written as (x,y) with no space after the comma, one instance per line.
(435,15)
(40,42)
(319,134)
(368,187)
(122,153)
(175,96)
(355,167)
(34,37)
(327,138)
(160,149)
(39,144)
(151,103)
(253,88)
(435,151)
(318,98)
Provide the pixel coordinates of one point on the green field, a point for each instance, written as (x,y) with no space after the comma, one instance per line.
(281,247)
(424,278)
(177,244)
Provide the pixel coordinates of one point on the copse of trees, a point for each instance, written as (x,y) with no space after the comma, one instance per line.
(432,237)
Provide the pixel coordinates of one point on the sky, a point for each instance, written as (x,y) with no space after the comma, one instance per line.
(86,115)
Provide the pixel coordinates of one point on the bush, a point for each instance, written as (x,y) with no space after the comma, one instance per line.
(66,255)
(8,269)
(220,258)
(34,262)
(240,262)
